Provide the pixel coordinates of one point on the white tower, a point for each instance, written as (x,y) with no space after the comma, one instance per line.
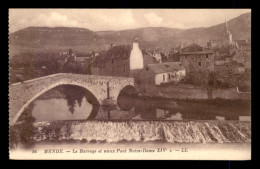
(136,57)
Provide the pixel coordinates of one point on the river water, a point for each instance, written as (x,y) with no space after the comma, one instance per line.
(68,113)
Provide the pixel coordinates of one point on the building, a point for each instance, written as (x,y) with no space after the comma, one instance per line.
(67,56)
(226,39)
(148,58)
(222,52)
(123,61)
(157,56)
(173,55)
(195,58)
(244,57)
(244,44)
(229,68)
(82,59)
(156,74)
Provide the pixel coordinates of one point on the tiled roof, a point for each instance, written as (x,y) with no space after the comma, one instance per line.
(165,67)
(241,42)
(228,56)
(98,60)
(222,49)
(113,53)
(193,48)
(192,53)
(119,52)
(232,63)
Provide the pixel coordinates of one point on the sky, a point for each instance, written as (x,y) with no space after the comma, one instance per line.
(120,19)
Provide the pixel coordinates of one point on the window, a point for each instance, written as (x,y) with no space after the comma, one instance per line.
(169,76)
(112,61)
(207,56)
(186,57)
(207,64)
(163,77)
(147,68)
(199,63)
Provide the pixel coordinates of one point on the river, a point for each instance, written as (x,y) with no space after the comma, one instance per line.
(69,114)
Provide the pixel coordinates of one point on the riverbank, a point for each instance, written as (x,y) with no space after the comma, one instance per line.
(195,108)
(184,91)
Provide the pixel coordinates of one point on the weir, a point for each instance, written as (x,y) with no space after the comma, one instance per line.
(173,132)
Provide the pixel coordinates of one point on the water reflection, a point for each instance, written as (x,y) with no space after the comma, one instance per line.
(74,103)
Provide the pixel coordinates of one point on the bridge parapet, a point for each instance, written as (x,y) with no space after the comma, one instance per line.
(21,95)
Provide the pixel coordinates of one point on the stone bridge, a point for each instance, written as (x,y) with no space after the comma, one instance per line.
(102,87)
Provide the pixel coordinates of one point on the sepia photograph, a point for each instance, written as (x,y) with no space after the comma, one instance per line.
(129,84)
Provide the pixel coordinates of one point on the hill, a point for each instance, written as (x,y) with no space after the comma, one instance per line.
(84,40)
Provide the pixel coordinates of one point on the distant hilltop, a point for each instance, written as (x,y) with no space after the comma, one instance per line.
(38,37)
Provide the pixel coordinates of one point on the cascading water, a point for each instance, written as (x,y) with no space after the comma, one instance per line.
(173,132)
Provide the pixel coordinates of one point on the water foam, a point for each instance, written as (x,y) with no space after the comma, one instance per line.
(170,131)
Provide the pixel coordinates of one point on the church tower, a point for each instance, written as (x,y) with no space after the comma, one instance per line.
(136,58)
(227,34)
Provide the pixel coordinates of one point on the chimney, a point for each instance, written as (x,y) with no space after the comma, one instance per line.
(209,45)
(135,43)
(180,48)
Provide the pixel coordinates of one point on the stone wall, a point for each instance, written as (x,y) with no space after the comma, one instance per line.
(192,92)
(230,93)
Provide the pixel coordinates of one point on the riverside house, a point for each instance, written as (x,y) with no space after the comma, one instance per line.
(156,74)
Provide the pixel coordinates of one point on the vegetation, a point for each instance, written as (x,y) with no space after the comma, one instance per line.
(216,80)
(29,65)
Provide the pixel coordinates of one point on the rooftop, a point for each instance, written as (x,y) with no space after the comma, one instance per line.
(118,52)
(165,67)
(232,63)
(115,52)
(192,53)
(194,49)
(241,42)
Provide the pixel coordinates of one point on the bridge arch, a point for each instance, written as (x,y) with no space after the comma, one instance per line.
(125,102)
(35,96)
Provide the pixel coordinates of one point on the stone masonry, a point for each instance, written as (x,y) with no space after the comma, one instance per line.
(22,94)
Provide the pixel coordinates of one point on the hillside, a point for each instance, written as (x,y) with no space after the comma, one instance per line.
(61,36)
(240,28)
(84,40)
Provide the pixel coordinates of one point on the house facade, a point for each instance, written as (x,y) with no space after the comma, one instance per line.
(244,57)
(123,61)
(230,68)
(196,58)
(157,74)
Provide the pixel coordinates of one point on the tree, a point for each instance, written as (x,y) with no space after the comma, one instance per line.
(73,95)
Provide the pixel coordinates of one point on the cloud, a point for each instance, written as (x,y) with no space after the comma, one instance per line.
(115,21)
(118,19)
(153,19)
(97,20)
(53,19)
